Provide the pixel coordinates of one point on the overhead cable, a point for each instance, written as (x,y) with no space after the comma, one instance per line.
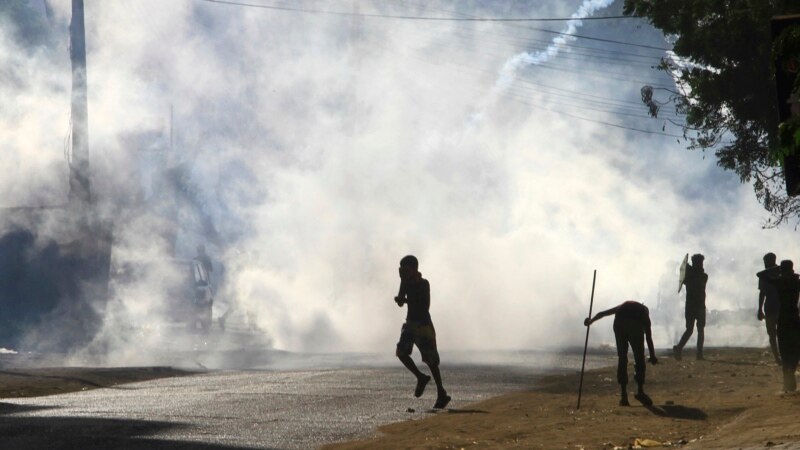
(591,38)
(428,18)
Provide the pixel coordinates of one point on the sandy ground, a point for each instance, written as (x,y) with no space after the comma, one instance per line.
(731,400)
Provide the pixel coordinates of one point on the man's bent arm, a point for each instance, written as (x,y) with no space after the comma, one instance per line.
(600,315)
(400,298)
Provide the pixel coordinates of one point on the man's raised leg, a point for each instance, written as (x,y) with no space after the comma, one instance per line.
(422,379)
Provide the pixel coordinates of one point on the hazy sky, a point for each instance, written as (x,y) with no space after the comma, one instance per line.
(327,147)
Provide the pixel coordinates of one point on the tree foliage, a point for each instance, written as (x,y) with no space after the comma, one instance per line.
(725,87)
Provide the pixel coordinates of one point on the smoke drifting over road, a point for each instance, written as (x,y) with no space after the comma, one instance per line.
(314,151)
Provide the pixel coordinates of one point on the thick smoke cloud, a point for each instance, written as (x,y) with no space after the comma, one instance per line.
(322,149)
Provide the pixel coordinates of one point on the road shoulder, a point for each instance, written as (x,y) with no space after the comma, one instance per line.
(731,399)
(40,381)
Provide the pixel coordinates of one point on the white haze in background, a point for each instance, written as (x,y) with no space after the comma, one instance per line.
(327,148)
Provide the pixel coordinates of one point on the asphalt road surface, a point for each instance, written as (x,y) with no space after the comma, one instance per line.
(231,409)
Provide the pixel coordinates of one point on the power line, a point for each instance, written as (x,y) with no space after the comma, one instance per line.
(516,98)
(582,101)
(530,85)
(598,74)
(525,86)
(592,38)
(558,32)
(522,40)
(509,95)
(428,18)
(514,43)
(546,99)
(586,119)
(453,19)
(513,90)
(574,56)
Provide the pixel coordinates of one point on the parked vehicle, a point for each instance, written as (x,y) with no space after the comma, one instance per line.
(202,296)
(183,287)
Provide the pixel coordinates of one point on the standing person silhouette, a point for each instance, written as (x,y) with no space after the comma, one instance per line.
(631,327)
(768,302)
(418,330)
(695,282)
(788,287)
(202,256)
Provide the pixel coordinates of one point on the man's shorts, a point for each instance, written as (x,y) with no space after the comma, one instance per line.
(697,314)
(421,335)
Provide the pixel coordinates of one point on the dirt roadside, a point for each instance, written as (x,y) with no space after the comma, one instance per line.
(730,400)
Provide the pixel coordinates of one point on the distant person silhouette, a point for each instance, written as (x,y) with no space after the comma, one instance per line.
(204,259)
(695,282)
(418,330)
(788,287)
(631,327)
(768,302)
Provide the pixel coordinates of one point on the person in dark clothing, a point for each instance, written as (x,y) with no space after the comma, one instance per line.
(631,327)
(415,292)
(768,302)
(788,287)
(695,282)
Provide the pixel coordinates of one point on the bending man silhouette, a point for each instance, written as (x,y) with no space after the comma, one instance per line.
(631,327)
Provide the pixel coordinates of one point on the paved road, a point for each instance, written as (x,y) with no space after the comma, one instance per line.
(249,409)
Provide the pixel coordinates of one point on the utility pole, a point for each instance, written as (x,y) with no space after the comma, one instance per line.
(79,181)
(354,58)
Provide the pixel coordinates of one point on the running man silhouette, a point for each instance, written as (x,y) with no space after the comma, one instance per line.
(695,282)
(418,330)
(768,302)
(788,287)
(631,327)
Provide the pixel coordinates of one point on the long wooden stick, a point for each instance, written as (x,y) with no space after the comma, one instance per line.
(586,344)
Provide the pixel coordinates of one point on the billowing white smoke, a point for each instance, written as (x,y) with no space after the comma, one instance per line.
(325,148)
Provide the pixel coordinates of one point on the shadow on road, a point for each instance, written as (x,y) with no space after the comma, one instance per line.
(26,433)
(11,408)
(678,412)
(735,363)
(62,378)
(467,411)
